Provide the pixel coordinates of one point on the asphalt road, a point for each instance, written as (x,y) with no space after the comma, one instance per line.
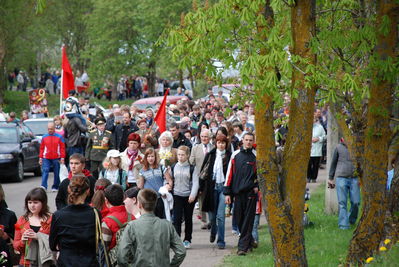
(16,192)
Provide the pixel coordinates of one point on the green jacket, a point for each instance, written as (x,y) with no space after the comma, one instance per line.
(98,146)
(147,242)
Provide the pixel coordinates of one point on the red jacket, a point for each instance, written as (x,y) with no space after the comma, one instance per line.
(20,227)
(121,214)
(52,147)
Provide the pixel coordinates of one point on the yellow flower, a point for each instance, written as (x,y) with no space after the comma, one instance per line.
(369,259)
(383,248)
(387,241)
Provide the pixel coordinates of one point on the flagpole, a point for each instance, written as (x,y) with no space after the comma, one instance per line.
(62,87)
(61,91)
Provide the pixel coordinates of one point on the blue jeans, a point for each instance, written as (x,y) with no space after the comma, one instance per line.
(217,216)
(46,166)
(255,228)
(344,187)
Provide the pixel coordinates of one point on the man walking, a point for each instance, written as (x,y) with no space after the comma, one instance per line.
(197,157)
(242,185)
(122,131)
(178,138)
(97,146)
(342,169)
(52,153)
(147,241)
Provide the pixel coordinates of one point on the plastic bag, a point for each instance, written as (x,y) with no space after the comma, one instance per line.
(63,172)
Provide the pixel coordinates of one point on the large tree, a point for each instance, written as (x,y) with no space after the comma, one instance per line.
(251,36)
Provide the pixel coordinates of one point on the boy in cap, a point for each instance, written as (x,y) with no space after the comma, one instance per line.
(97,146)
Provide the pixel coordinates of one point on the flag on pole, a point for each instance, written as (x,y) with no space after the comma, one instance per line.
(67,82)
(160,118)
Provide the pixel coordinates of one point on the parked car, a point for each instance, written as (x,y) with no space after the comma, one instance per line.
(19,151)
(151,101)
(38,126)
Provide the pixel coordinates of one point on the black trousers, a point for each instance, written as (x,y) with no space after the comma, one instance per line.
(181,208)
(244,213)
(313,168)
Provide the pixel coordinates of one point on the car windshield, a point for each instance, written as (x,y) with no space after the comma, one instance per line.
(8,135)
(37,127)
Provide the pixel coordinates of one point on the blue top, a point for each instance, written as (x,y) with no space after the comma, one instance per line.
(153,178)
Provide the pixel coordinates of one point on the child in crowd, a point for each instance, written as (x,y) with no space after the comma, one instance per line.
(98,200)
(33,225)
(113,169)
(185,189)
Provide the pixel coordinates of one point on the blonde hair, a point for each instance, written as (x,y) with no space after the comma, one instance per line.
(186,149)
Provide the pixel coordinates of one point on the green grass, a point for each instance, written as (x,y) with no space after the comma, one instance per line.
(19,101)
(326,245)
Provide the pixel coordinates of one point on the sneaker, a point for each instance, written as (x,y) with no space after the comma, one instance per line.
(54,190)
(212,238)
(234,232)
(255,244)
(204,226)
(221,246)
(187,244)
(45,189)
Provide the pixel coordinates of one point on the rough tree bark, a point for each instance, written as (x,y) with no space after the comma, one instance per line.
(151,78)
(369,231)
(285,204)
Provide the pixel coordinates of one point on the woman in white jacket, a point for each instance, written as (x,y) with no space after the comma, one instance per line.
(318,137)
(131,159)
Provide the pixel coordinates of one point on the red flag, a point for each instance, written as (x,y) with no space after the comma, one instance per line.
(68,82)
(160,118)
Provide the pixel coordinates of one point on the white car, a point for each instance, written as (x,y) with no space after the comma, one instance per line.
(38,126)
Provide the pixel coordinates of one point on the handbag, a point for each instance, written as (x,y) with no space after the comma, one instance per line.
(203,175)
(63,172)
(102,254)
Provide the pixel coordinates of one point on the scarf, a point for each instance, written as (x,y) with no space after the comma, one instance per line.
(85,172)
(218,167)
(132,154)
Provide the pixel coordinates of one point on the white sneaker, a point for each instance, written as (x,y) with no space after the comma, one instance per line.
(187,244)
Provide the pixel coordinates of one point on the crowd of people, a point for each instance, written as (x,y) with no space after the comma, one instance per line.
(135,176)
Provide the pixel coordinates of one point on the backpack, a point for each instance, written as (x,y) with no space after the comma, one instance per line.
(112,252)
(119,177)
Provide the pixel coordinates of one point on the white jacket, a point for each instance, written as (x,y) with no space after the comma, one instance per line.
(318,131)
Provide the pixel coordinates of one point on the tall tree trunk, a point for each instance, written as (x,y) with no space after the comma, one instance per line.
(181,79)
(285,201)
(369,231)
(151,78)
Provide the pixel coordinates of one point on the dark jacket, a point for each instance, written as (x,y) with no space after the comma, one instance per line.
(207,184)
(73,129)
(8,219)
(181,141)
(73,233)
(241,174)
(61,200)
(119,138)
(341,163)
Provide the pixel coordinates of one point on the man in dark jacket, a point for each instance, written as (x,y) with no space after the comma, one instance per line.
(77,165)
(122,131)
(342,169)
(242,184)
(178,138)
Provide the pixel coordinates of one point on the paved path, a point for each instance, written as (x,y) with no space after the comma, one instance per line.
(202,253)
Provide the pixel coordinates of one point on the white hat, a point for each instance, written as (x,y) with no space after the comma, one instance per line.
(113,153)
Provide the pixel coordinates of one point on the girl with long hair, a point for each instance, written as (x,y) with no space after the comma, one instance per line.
(73,228)
(37,218)
(113,170)
(98,199)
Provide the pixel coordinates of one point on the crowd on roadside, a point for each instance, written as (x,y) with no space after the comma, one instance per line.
(207,156)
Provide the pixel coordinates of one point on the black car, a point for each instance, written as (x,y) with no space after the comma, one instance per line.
(19,151)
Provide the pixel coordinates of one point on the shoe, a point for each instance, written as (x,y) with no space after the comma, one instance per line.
(187,244)
(255,244)
(313,181)
(212,238)
(221,246)
(45,189)
(241,253)
(204,226)
(234,232)
(308,180)
(54,190)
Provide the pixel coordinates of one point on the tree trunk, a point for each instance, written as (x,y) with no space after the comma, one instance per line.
(285,200)
(369,231)
(151,78)
(181,79)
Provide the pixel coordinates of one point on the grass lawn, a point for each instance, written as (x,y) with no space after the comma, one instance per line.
(19,101)
(326,245)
